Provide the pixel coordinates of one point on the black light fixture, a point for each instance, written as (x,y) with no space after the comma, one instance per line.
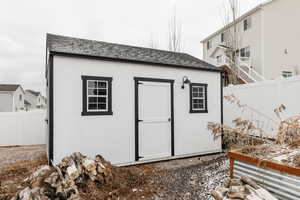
(185,80)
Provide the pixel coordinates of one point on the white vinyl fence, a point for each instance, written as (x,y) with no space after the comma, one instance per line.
(264,97)
(23,128)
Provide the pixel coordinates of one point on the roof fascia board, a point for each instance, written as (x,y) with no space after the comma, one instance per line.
(55,53)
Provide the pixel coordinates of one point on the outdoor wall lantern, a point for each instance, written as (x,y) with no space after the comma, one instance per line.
(185,80)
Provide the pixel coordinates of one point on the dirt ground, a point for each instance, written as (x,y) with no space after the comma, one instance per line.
(20,153)
(16,164)
(189,178)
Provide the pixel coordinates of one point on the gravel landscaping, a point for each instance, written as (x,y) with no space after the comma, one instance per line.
(194,181)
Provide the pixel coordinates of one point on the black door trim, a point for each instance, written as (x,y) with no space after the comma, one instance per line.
(136,113)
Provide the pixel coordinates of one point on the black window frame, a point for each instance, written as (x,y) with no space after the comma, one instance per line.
(222,37)
(247,24)
(85,111)
(245,52)
(208,45)
(286,74)
(205,97)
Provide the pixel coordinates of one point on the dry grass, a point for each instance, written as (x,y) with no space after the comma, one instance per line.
(243,135)
(240,135)
(289,131)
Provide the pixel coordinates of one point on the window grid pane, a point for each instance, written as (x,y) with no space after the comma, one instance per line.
(97,97)
(198,98)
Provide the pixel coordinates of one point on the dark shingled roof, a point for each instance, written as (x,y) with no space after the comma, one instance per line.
(76,46)
(9,87)
(33,92)
(27,102)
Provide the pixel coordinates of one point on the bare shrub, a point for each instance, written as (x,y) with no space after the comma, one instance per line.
(245,132)
(289,131)
(240,135)
(243,135)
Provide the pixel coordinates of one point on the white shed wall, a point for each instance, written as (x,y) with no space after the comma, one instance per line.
(113,136)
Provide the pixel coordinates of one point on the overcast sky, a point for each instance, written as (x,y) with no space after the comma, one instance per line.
(24,24)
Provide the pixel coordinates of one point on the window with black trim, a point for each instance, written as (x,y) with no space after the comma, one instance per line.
(245,52)
(96,95)
(247,24)
(208,45)
(222,37)
(198,98)
(287,74)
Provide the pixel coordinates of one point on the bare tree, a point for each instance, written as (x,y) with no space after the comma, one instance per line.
(153,43)
(232,37)
(175,34)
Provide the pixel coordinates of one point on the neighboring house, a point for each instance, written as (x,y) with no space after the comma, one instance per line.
(34,100)
(11,98)
(27,105)
(268,42)
(129,104)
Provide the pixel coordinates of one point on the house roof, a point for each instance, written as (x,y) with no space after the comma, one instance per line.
(33,92)
(27,102)
(82,47)
(9,87)
(250,12)
(223,47)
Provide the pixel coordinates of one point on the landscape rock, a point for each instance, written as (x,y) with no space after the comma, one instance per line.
(244,188)
(61,182)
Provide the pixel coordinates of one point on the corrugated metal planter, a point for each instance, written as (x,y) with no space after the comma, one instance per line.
(283,181)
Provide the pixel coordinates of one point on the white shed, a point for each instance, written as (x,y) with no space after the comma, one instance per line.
(129,104)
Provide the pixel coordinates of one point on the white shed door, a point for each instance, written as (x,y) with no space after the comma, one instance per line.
(154,120)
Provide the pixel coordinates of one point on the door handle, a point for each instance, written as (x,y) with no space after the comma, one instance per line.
(169,119)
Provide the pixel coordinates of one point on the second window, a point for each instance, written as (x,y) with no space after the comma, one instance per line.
(198,98)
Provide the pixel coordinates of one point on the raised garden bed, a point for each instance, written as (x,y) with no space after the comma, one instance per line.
(273,170)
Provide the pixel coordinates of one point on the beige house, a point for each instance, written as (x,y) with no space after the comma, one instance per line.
(34,100)
(267,40)
(11,98)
